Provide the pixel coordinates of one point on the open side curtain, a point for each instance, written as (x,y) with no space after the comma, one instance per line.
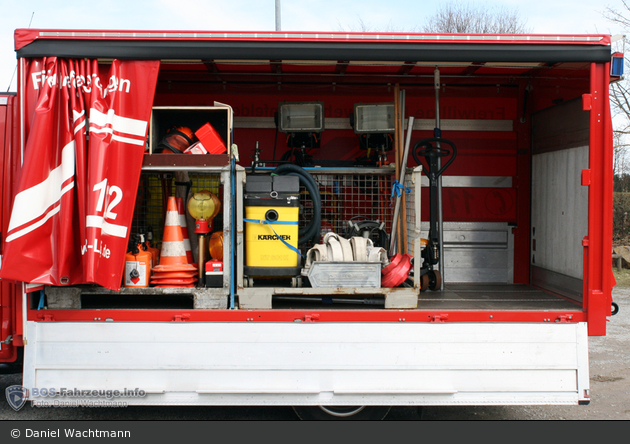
(86,127)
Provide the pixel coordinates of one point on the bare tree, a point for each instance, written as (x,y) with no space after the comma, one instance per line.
(466,17)
(620,100)
(620,96)
(617,16)
(621,163)
(362,26)
(456,17)
(619,90)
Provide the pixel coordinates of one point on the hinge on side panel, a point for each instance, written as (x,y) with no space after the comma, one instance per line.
(181,318)
(586,177)
(587,102)
(439,318)
(46,318)
(564,318)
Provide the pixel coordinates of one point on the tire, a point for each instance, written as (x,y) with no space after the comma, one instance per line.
(614,309)
(342,413)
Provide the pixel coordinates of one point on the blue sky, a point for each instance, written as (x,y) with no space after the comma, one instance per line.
(541,16)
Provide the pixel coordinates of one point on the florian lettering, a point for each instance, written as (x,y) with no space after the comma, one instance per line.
(80,82)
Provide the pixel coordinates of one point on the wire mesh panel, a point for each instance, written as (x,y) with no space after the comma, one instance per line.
(353,202)
(154,190)
(410,210)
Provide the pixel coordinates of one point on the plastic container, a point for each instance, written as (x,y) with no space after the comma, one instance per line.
(137,267)
(155,253)
(210,139)
(214,274)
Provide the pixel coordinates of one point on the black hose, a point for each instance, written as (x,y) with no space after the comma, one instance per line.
(357,229)
(313,229)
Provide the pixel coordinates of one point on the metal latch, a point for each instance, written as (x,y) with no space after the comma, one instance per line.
(311,318)
(439,318)
(181,317)
(564,318)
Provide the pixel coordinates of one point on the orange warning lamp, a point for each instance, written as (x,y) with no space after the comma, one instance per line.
(203,207)
(215,246)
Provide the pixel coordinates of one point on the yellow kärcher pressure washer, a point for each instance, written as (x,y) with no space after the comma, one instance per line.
(272,236)
(271,225)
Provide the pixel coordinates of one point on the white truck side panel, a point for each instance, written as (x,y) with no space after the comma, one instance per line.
(560,210)
(185,363)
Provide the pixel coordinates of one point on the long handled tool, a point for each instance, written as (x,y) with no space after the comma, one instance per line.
(434,251)
(433,254)
(400,183)
(403,238)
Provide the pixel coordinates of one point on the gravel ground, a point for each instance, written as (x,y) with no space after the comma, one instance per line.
(609,375)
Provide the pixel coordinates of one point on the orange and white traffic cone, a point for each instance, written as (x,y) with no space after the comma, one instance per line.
(173,256)
(174,274)
(184,225)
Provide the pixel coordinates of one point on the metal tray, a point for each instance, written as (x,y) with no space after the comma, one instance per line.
(344,274)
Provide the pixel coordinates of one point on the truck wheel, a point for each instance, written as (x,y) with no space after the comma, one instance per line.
(614,309)
(342,413)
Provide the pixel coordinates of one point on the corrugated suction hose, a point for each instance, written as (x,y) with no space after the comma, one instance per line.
(314,227)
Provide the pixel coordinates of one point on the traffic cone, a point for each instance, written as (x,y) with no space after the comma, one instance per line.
(173,255)
(184,225)
(174,281)
(174,274)
(178,286)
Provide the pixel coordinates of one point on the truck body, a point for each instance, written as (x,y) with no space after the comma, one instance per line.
(525,216)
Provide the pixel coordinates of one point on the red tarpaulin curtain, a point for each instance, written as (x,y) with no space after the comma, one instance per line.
(85,138)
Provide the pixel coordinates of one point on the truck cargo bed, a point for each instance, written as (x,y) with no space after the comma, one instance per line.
(454,297)
(508,297)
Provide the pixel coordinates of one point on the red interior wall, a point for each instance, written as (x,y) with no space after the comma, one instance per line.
(480,153)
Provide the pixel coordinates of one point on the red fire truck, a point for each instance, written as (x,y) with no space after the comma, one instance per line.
(398,219)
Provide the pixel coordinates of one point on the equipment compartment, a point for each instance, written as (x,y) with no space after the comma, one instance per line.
(156,185)
(163,118)
(514,202)
(354,202)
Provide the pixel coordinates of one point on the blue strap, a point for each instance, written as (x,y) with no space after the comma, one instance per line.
(41,300)
(277,222)
(397,190)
